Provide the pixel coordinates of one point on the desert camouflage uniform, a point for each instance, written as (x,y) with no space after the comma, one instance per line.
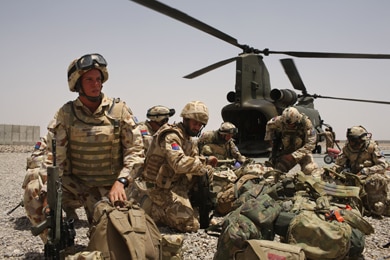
(369,160)
(170,169)
(210,143)
(299,142)
(147,133)
(33,182)
(92,151)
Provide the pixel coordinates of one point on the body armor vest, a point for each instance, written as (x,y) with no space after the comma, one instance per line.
(94,148)
(361,158)
(155,162)
(293,139)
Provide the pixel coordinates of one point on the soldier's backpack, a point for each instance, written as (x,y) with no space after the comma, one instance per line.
(253,220)
(265,249)
(124,233)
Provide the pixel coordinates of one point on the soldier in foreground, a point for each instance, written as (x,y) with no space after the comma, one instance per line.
(99,147)
(220,143)
(293,139)
(362,157)
(157,117)
(171,167)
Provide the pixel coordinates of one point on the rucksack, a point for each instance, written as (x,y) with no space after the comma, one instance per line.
(265,249)
(124,233)
(253,220)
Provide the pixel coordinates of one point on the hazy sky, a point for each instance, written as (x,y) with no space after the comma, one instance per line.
(149,53)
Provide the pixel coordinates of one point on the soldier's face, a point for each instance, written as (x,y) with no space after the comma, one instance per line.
(91,83)
(193,127)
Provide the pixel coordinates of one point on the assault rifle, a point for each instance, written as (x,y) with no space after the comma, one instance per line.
(202,197)
(61,233)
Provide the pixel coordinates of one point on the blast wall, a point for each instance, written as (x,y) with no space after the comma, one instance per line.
(19,134)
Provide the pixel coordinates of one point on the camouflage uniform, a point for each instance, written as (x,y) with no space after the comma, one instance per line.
(93,149)
(299,141)
(370,165)
(211,143)
(170,167)
(157,115)
(147,133)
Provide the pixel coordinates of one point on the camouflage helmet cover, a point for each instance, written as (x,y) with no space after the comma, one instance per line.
(291,115)
(159,113)
(227,128)
(75,74)
(357,132)
(196,110)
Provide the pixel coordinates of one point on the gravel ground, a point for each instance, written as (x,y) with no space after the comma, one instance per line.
(17,242)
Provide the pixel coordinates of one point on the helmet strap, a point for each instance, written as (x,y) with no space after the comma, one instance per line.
(92,99)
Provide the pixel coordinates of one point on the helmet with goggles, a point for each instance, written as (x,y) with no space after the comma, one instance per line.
(227,128)
(291,115)
(196,110)
(160,113)
(83,64)
(357,132)
(357,136)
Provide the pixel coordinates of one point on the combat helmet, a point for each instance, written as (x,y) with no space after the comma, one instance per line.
(196,110)
(291,115)
(227,128)
(83,64)
(357,136)
(160,113)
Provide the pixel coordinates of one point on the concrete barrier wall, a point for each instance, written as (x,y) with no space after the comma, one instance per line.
(19,134)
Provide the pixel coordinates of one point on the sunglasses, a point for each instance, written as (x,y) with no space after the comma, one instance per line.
(88,62)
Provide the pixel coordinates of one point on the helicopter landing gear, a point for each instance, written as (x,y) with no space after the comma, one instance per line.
(328,159)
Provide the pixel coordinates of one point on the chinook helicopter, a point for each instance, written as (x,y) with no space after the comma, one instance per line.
(254,103)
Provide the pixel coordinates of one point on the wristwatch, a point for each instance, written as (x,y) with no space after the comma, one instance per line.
(124,181)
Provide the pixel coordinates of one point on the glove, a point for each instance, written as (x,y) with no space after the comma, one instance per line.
(237,164)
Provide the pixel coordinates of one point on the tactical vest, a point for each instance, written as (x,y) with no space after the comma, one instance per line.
(293,139)
(155,162)
(94,151)
(211,145)
(357,160)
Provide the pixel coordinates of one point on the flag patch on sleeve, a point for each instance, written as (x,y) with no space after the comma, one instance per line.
(175,146)
(144,132)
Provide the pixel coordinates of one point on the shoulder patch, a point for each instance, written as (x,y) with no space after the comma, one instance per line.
(175,146)
(144,132)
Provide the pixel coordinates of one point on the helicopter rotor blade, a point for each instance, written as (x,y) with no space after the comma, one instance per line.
(183,17)
(209,68)
(293,75)
(303,54)
(349,99)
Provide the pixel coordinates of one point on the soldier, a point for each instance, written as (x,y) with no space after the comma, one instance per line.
(293,140)
(220,143)
(99,147)
(330,137)
(171,167)
(158,116)
(362,157)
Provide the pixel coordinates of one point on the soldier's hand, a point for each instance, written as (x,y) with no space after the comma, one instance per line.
(117,193)
(212,161)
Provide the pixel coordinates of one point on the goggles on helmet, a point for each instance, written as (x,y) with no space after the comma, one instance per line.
(232,131)
(87,62)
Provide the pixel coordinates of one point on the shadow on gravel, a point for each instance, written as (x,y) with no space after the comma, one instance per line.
(81,223)
(22,223)
(34,256)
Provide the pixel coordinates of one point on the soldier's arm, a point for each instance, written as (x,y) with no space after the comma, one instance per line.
(132,144)
(179,161)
